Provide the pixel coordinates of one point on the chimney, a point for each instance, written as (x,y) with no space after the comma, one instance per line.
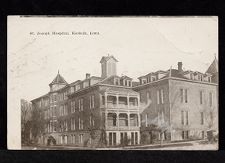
(180,66)
(88,75)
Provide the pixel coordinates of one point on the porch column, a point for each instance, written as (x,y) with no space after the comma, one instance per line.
(117,120)
(128,101)
(106,119)
(138,101)
(128,115)
(139,120)
(105,99)
(139,137)
(117,100)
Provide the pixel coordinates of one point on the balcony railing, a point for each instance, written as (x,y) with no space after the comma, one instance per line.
(122,128)
(111,105)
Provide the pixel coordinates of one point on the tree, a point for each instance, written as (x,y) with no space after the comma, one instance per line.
(26,109)
(38,122)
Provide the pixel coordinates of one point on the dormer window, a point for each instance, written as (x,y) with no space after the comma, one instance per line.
(125,82)
(209,79)
(77,87)
(129,83)
(153,78)
(144,81)
(148,79)
(191,76)
(200,77)
(85,84)
(72,89)
(116,81)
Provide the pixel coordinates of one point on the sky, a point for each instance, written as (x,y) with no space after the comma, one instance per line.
(141,45)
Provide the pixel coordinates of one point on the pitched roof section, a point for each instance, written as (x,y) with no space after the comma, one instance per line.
(213,68)
(58,80)
(119,90)
(106,58)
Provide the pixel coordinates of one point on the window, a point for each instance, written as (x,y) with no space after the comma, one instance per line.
(184,95)
(54,111)
(92,101)
(65,109)
(117,81)
(80,102)
(201,96)
(210,99)
(81,138)
(129,84)
(182,117)
(181,95)
(54,126)
(54,96)
(187,118)
(72,123)
(65,126)
(85,84)
(191,76)
(91,121)
(73,106)
(77,87)
(61,110)
(209,79)
(136,138)
(144,81)
(202,118)
(201,77)
(158,97)
(148,79)
(73,139)
(153,78)
(185,134)
(72,89)
(80,124)
(162,94)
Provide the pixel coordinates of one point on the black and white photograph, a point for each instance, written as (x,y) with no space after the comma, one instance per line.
(112,83)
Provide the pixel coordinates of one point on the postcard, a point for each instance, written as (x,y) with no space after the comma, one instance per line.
(112,83)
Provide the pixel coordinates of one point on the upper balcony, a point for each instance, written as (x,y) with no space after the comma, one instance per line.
(120,102)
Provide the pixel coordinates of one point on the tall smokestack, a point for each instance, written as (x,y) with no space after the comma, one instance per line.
(180,66)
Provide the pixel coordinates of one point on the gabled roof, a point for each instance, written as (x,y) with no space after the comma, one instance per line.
(58,80)
(213,68)
(125,77)
(106,58)
(174,73)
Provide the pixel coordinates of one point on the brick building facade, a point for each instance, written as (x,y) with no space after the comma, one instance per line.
(91,112)
(113,110)
(182,104)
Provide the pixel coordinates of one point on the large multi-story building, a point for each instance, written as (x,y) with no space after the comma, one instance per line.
(92,111)
(113,110)
(181,104)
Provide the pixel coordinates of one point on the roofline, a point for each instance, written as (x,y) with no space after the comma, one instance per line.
(40,97)
(118,86)
(174,78)
(83,89)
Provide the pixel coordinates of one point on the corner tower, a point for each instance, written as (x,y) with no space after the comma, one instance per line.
(108,64)
(213,69)
(57,83)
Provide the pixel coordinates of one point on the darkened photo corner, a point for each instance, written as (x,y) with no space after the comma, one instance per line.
(116,84)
